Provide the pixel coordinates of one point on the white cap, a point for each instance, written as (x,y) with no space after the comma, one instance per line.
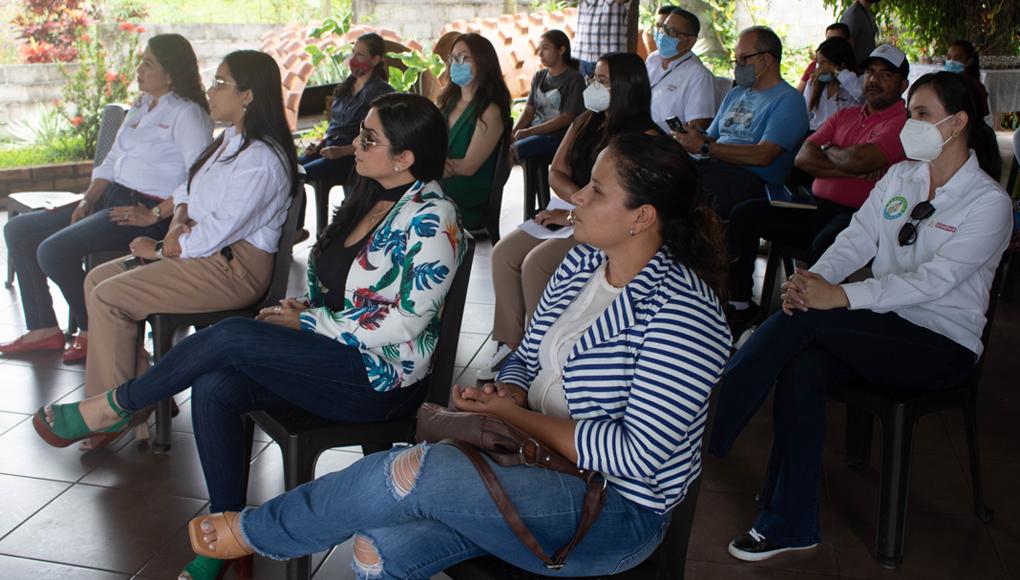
(891,55)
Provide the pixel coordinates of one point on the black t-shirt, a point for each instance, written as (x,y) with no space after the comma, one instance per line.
(334,263)
(590,143)
(568,98)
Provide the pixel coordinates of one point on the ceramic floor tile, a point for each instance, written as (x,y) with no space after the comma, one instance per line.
(468,349)
(23,453)
(696,570)
(26,388)
(9,420)
(111,529)
(477,318)
(480,291)
(23,496)
(22,568)
(266,475)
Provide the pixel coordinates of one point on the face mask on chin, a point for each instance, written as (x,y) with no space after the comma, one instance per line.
(922,141)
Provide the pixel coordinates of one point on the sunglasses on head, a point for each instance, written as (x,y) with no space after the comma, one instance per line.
(908,233)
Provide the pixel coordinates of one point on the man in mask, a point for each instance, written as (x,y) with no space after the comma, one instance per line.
(846,156)
(863,29)
(757,131)
(682,86)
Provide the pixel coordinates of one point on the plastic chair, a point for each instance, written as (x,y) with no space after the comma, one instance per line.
(322,188)
(780,255)
(536,185)
(165,325)
(499,178)
(302,436)
(898,412)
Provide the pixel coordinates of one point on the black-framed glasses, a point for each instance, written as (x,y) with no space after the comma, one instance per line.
(672,32)
(908,233)
(742,60)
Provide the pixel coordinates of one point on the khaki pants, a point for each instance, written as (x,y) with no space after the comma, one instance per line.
(118,299)
(521,268)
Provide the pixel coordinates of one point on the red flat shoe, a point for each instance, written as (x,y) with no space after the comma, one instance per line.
(20,346)
(76,353)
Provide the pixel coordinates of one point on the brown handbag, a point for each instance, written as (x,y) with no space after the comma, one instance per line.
(509,446)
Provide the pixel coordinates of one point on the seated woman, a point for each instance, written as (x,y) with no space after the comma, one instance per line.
(618,100)
(963,59)
(476,104)
(646,269)
(555,99)
(936,228)
(834,83)
(369,78)
(357,353)
(162,135)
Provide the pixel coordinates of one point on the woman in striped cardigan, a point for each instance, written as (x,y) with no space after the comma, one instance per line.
(614,373)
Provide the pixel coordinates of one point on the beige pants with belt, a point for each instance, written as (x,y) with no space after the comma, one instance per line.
(118,299)
(521,267)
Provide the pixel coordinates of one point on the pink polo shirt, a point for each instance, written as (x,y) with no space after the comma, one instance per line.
(854,126)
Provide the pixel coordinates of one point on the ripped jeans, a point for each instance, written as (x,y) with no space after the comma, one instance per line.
(426,519)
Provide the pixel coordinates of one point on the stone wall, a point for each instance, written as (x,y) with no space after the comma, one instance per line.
(408,19)
(60,177)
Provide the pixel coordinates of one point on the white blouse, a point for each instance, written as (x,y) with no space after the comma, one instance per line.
(546,392)
(155,148)
(243,198)
(848,95)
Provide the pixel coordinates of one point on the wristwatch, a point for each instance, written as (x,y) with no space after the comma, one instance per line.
(705,148)
(157,212)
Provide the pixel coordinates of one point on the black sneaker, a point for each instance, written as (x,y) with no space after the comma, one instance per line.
(753,547)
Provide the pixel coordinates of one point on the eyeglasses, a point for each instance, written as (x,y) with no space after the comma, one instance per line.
(742,60)
(908,233)
(588,81)
(218,82)
(672,32)
(365,140)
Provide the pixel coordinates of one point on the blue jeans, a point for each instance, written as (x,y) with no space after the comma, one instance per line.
(448,516)
(241,365)
(46,244)
(540,146)
(587,68)
(802,355)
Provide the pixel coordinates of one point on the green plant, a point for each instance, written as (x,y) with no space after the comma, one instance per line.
(49,28)
(330,63)
(416,63)
(62,149)
(551,5)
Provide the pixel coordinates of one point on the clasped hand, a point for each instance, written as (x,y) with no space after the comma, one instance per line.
(287,314)
(491,398)
(807,290)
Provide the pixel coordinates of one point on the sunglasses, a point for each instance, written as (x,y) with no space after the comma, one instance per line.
(365,140)
(908,233)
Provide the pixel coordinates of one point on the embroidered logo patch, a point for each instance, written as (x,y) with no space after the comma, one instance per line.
(895,208)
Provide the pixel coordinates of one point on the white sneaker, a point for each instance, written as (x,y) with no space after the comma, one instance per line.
(491,368)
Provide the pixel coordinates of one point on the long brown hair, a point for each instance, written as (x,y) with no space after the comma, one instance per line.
(489,85)
(376,47)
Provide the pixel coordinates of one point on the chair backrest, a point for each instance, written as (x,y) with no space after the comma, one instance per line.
(109,124)
(993,302)
(722,86)
(499,179)
(284,254)
(445,356)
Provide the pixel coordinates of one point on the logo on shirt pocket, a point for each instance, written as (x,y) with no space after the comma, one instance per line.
(895,208)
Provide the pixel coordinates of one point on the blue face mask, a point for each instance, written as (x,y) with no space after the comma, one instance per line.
(955,66)
(825,78)
(667,44)
(460,74)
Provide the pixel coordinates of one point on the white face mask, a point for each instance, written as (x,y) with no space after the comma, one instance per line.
(596,97)
(921,140)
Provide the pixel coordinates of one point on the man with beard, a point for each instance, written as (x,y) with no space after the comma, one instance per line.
(846,156)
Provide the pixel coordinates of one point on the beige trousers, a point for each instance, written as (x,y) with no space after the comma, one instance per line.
(118,299)
(521,267)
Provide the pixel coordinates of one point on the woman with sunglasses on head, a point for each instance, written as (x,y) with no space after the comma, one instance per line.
(936,228)
(614,374)
(356,348)
(476,104)
(166,129)
(369,78)
(618,100)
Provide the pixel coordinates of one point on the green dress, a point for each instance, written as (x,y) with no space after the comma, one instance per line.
(471,192)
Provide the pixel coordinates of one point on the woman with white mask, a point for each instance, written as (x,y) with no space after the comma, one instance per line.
(618,100)
(936,227)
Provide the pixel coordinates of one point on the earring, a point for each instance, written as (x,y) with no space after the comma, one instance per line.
(396,169)
(631,231)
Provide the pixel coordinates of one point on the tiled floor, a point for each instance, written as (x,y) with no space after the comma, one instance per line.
(121,513)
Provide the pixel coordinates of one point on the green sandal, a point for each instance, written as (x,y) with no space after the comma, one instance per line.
(203,568)
(69,426)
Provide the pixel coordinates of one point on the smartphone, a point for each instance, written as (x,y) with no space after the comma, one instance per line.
(676,124)
(553,227)
(133,262)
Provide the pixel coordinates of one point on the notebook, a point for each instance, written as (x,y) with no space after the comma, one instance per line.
(783,196)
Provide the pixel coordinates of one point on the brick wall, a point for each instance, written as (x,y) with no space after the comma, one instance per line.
(60,177)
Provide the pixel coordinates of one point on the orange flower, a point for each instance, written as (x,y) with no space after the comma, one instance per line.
(111,77)
(139,29)
(76,120)
(126,26)
(86,38)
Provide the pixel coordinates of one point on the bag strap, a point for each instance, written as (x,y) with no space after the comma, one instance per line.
(594,497)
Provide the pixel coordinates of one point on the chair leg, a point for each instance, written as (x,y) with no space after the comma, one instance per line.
(321,206)
(858,437)
(894,487)
(530,189)
(769,284)
(970,421)
(298,468)
(162,342)
(543,184)
(370,448)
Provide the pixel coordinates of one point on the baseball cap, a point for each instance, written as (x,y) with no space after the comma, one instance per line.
(891,56)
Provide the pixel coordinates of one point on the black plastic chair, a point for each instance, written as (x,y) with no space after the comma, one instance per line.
(165,325)
(1013,263)
(898,412)
(322,188)
(302,436)
(536,185)
(666,563)
(499,178)
(781,255)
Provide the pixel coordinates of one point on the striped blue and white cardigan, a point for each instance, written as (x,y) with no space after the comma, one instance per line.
(638,381)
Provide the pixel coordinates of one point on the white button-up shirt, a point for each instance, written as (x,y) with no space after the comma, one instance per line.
(685,88)
(942,281)
(236,198)
(154,149)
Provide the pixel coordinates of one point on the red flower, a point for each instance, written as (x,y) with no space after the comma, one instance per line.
(111,77)
(76,120)
(86,38)
(139,29)
(126,26)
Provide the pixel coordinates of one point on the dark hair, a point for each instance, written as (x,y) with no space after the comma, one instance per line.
(955,96)
(409,123)
(559,39)
(973,66)
(765,40)
(489,85)
(691,19)
(264,118)
(666,9)
(175,55)
(655,170)
(840,53)
(842,28)
(630,106)
(376,47)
